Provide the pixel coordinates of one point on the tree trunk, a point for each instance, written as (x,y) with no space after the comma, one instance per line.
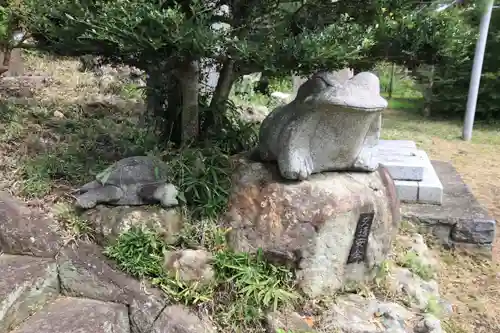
(172,101)
(164,100)
(189,79)
(391,82)
(221,94)
(7,53)
(428,92)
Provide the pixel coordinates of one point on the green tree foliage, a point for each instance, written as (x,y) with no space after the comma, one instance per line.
(452,79)
(169,38)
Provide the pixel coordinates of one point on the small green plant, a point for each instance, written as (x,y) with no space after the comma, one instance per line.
(433,307)
(40,172)
(182,292)
(139,252)
(131,91)
(77,227)
(245,285)
(383,271)
(413,262)
(203,177)
(250,286)
(205,233)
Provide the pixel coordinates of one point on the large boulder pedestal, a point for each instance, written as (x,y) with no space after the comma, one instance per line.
(333,228)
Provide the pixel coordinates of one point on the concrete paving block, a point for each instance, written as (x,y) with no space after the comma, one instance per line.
(403,167)
(388,152)
(407,190)
(461,221)
(400,144)
(430,189)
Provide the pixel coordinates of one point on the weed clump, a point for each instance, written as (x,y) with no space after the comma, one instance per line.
(245,285)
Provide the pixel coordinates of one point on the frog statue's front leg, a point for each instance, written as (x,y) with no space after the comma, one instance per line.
(295,161)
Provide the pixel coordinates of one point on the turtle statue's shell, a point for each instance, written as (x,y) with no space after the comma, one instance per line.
(133,170)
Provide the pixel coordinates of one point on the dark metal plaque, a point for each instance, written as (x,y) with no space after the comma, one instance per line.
(360,242)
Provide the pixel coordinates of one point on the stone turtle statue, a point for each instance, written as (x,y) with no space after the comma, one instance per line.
(137,180)
(332,124)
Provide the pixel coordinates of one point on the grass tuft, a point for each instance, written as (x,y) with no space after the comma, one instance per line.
(244,289)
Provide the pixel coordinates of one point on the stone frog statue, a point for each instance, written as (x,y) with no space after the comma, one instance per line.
(332,124)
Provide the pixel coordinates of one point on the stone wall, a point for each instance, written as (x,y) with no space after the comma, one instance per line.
(460,221)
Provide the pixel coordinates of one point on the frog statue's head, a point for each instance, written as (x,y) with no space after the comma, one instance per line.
(326,90)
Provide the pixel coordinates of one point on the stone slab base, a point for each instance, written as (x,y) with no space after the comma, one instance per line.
(460,221)
(415,178)
(401,158)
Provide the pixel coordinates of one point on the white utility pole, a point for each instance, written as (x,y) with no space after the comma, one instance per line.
(476,72)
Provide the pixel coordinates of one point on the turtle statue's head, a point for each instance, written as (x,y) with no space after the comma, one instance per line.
(326,90)
(167,195)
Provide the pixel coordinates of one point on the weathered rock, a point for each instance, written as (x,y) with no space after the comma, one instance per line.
(110,222)
(429,324)
(80,315)
(330,125)
(416,244)
(26,284)
(460,221)
(288,321)
(417,291)
(356,314)
(179,319)
(85,272)
(478,231)
(25,231)
(310,225)
(190,265)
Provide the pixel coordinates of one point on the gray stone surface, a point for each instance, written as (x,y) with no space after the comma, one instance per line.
(329,126)
(415,177)
(26,285)
(78,315)
(190,266)
(407,163)
(418,291)
(430,188)
(397,144)
(356,314)
(460,213)
(402,164)
(136,180)
(109,222)
(26,231)
(85,272)
(287,321)
(416,244)
(310,225)
(407,190)
(180,319)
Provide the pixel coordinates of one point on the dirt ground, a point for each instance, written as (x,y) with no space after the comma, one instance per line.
(471,284)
